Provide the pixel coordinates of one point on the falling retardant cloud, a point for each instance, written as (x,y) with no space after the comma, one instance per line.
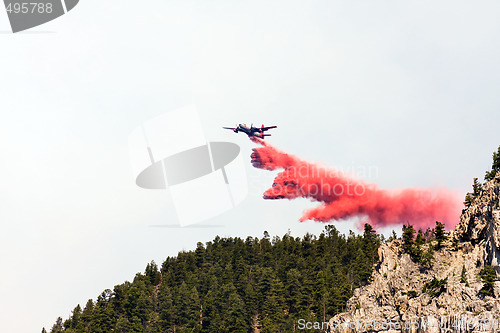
(342,196)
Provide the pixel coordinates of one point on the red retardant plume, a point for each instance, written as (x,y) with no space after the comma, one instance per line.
(343,197)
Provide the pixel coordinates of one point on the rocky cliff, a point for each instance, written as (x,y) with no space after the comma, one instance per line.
(405,296)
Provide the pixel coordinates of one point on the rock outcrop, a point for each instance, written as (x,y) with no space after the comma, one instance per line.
(480,223)
(396,301)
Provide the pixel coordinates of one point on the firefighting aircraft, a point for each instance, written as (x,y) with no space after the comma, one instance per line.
(252,131)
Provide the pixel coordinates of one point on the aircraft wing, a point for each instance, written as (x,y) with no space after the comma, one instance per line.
(267,128)
(231,128)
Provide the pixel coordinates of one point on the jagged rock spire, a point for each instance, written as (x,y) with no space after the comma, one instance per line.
(480,222)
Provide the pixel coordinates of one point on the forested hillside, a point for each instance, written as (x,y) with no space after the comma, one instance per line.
(235,285)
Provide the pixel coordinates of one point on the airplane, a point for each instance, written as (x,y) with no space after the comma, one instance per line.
(252,131)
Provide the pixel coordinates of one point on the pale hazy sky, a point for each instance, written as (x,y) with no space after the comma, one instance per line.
(408,87)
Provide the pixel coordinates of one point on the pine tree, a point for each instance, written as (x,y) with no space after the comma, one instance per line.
(76,317)
(182,306)
(194,308)
(369,234)
(495,166)
(249,294)
(103,318)
(476,190)
(361,266)
(236,314)
(440,234)
(420,240)
(463,276)
(166,307)
(488,276)
(469,198)
(87,313)
(416,250)
(293,291)
(210,311)
(408,235)
(371,243)
(476,187)
(152,273)
(57,327)
(427,257)
(321,295)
